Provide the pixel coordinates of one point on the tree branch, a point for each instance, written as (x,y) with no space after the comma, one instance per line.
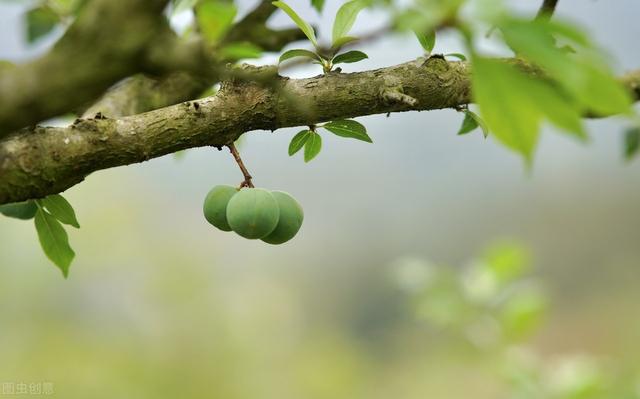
(142,93)
(107,42)
(44,161)
(547,9)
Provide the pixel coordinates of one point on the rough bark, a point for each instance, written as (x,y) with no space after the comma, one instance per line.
(142,93)
(107,42)
(43,161)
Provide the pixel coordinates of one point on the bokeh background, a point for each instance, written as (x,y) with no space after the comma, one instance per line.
(396,285)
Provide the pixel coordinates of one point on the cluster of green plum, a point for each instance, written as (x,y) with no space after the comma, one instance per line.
(254,213)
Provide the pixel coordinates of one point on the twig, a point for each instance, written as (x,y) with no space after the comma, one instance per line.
(247,177)
(547,9)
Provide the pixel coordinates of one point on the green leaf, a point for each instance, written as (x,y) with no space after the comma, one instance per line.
(342,41)
(54,240)
(631,143)
(302,24)
(427,40)
(349,57)
(183,5)
(459,56)
(584,77)
(318,4)
(298,53)
(348,128)
(469,123)
(312,147)
(214,19)
(346,17)
(522,313)
(61,209)
(240,50)
(298,141)
(39,22)
(501,92)
(19,210)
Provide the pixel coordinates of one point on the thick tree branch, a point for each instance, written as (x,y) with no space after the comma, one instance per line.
(108,41)
(142,93)
(43,161)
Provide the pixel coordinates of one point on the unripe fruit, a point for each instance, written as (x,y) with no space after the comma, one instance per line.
(253,213)
(291,216)
(215,206)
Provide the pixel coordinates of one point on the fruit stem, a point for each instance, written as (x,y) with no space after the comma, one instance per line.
(247,177)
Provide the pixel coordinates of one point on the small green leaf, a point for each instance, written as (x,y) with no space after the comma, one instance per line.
(469,123)
(61,209)
(240,50)
(312,147)
(342,41)
(348,128)
(302,24)
(19,210)
(346,17)
(54,240)
(215,17)
(349,57)
(459,56)
(298,141)
(298,53)
(318,4)
(631,143)
(427,40)
(39,22)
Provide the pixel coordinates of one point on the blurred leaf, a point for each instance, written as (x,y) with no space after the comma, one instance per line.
(346,17)
(179,155)
(19,210)
(183,5)
(54,240)
(39,22)
(298,53)
(631,143)
(342,41)
(585,78)
(240,50)
(298,141)
(513,104)
(302,24)
(522,313)
(459,56)
(506,260)
(349,57)
(66,7)
(215,18)
(312,146)
(427,40)
(502,95)
(318,4)
(348,128)
(61,209)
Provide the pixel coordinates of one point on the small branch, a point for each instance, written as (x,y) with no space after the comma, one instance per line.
(547,9)
(236,155)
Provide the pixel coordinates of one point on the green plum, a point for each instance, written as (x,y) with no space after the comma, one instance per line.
(253,213)
(215,206)
(291,216)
